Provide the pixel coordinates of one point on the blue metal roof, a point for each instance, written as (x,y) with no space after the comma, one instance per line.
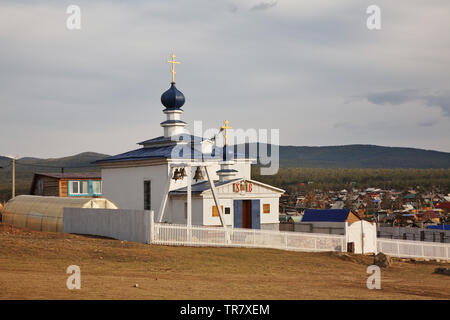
(178,137)
(141,154)
(167,152)
(325,215)
(440,227)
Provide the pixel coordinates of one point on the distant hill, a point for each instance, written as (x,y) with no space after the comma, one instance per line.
(359,156)
(362,156)
(82,160)
(348,156)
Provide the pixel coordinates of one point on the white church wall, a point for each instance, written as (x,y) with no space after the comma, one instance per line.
(181,183)
(274,216)
(266,218)
(179,213)
(125,186)
(227,195)
(244,168)
(209,219)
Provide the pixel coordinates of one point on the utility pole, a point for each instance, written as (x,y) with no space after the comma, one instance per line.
(13,177)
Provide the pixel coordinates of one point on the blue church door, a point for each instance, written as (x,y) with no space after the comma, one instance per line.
(247,214)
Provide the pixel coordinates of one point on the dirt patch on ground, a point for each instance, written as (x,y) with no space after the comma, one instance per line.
(33,266)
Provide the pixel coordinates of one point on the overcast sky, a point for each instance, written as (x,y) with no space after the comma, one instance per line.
(309,68)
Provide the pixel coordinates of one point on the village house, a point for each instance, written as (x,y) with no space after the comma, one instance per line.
(444,206)
(330,215)
(82,184)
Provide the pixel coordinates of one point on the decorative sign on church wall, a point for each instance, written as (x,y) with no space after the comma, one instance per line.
(243,187)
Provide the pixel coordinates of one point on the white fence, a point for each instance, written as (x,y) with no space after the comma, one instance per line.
(414,249)
(130,225)
(181,235)
(414,234)
(139,226)
(201,236)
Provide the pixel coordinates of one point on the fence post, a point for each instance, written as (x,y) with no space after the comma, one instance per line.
(286,240)
(188,234)
(152,226)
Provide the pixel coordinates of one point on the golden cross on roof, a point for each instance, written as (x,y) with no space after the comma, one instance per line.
(226,127)
(173,62)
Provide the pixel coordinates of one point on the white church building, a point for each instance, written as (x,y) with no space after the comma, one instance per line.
(160,176)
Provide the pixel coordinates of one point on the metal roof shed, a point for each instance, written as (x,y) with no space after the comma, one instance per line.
(46,213)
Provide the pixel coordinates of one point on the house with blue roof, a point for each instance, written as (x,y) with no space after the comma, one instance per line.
(330,215)
(137,179)
(333,221)
(360,235)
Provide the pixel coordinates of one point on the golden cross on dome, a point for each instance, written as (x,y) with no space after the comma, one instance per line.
(173,62)
(226,127)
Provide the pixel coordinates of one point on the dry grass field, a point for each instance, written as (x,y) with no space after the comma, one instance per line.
(33,266)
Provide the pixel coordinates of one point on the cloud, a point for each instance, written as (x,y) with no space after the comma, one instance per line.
(392,97)
(232,7)
(264,5)
(99,88)
(397,97)
(427,122)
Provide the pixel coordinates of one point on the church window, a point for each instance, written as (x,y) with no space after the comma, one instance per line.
(227,210)
(266,207)
(215,212)
(147,195)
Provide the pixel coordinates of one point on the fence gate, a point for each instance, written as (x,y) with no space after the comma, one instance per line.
(363,235)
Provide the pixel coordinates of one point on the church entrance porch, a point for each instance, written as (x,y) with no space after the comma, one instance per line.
(247,214)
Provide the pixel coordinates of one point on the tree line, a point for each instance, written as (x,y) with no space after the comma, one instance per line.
(297,180)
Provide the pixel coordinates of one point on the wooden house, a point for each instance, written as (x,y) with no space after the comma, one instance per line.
(444,206)
(83,184)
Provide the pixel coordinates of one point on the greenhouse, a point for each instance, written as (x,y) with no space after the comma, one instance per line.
(46,213)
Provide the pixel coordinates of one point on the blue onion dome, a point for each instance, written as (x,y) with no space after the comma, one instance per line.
(173,98)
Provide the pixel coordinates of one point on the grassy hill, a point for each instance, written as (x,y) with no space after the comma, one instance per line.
(349,156)
(361,156)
